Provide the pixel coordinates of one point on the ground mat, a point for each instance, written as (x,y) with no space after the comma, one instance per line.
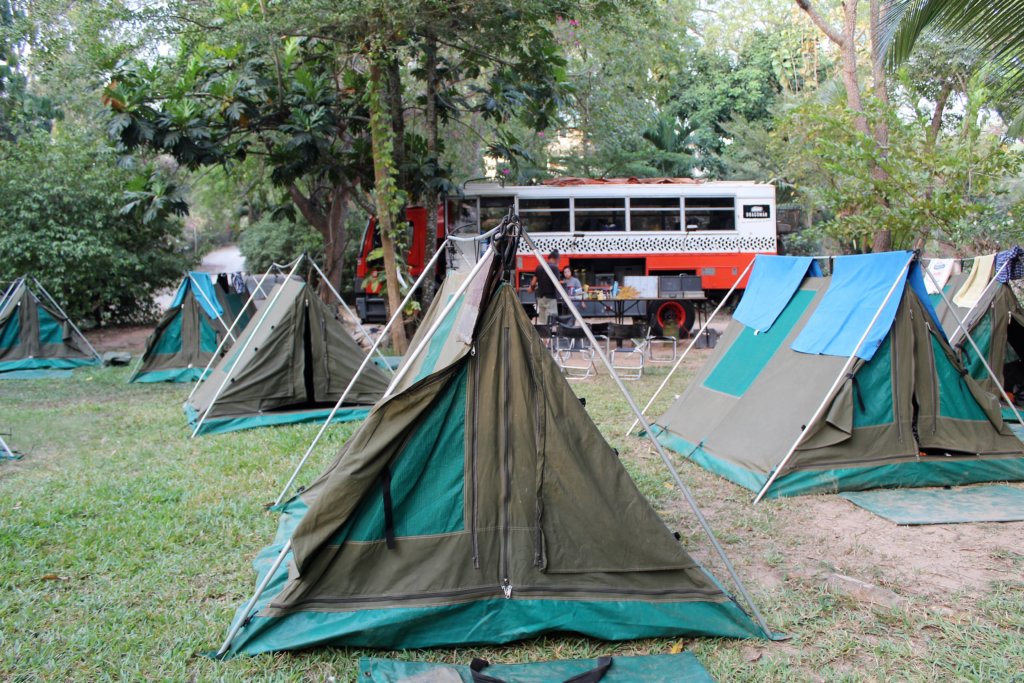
(678,668)
(943,506)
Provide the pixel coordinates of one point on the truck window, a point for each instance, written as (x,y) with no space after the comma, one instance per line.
(654,214)
(710,213)
(600,215)
(544,215)
(492,210)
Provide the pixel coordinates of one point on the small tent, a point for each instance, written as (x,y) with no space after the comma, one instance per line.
(36,334)
(290,364)
(189,333)
(478,503)
(798,397)
(995,322)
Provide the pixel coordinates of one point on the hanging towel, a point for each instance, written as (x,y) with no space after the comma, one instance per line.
(976,281)
(940,269)
(1014,270)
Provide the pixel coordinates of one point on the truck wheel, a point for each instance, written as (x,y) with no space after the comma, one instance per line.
(671,318)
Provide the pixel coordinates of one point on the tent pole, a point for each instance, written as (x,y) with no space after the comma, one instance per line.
(703,328)
(10,290)
(366,360)
(687,495)
(967,316)
(223,341)
(220,318)
(6,450)
(834,390)
(984,361)
(66,317)
(355,317)
(412,356)
(256,596)
(259,323)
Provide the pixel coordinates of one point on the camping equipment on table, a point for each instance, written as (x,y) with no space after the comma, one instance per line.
(852,386)
(202,314)
(478,503)
(290,364)
(36,333)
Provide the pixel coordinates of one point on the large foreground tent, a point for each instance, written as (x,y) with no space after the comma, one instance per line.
(478,503)
(995,322)
(203,313)
(290,364)
(800,397)
(36,334)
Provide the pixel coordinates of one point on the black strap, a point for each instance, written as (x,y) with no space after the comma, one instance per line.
(592,676)
(389,513)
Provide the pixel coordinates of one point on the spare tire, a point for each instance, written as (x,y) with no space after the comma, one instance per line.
(664,317)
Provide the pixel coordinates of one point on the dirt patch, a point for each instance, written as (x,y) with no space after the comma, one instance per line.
(131,339)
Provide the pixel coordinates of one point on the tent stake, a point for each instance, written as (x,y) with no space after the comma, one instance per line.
(66,317)
(834,390)
(355,317)
(703,328)
(220,345)
(227,376)
(213,306)
(962,326)
(684,489)
(383,335)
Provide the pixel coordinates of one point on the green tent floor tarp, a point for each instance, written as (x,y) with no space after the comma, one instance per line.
(683,667)
(222,425)
(911,507)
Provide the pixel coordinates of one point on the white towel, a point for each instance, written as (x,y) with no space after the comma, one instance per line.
(976,281)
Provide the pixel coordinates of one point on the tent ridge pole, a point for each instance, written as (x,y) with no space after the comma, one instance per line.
(961,325)
(227,375)
(8,292)
(66,317)
(220,345)
(834,389)
(684,489)
(355,317)
(704,327)
(383,335)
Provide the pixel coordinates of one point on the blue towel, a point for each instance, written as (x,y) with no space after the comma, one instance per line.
(206,297)
(773,280)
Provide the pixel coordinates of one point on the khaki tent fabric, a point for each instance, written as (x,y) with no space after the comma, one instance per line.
(34,334)
(294,354)
(909,408)
(481,504)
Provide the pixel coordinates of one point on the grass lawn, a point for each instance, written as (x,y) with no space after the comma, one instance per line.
(125,548)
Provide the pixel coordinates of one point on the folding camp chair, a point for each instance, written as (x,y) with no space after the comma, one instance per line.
(574,354)
(628,361)
(661,350)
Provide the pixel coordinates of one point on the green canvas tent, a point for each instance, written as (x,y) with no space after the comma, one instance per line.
(36,334)
(290,364)
(478,503)
(799,397)
(200,317)
(996,325)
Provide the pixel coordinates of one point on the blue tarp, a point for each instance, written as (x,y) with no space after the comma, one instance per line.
(773,280)
(859,286)
(206,297)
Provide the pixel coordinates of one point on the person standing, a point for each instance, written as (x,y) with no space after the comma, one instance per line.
(544,288)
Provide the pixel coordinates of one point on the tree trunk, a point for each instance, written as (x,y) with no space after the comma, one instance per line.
(430,66)
(384,185)
(331,226)
(394,83)
(883,237)
(935,125)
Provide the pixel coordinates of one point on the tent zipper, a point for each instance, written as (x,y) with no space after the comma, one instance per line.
(506,526)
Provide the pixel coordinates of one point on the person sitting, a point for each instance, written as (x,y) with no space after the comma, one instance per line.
(571,283)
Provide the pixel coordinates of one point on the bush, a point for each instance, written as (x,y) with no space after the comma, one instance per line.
(60,219)
(270,240)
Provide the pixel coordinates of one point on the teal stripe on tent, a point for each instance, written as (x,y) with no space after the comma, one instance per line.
(176,375)
(170,338)
(955,398)
(208,335)
(872,405)
(54,363)
(737,369)
(222,425)
(439,340)
(50,331)
(10,336)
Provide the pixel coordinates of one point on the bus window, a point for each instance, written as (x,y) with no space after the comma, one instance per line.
(600,215)
(463,216)
(545,215)
(492,210)
(710,213)
(654,214)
